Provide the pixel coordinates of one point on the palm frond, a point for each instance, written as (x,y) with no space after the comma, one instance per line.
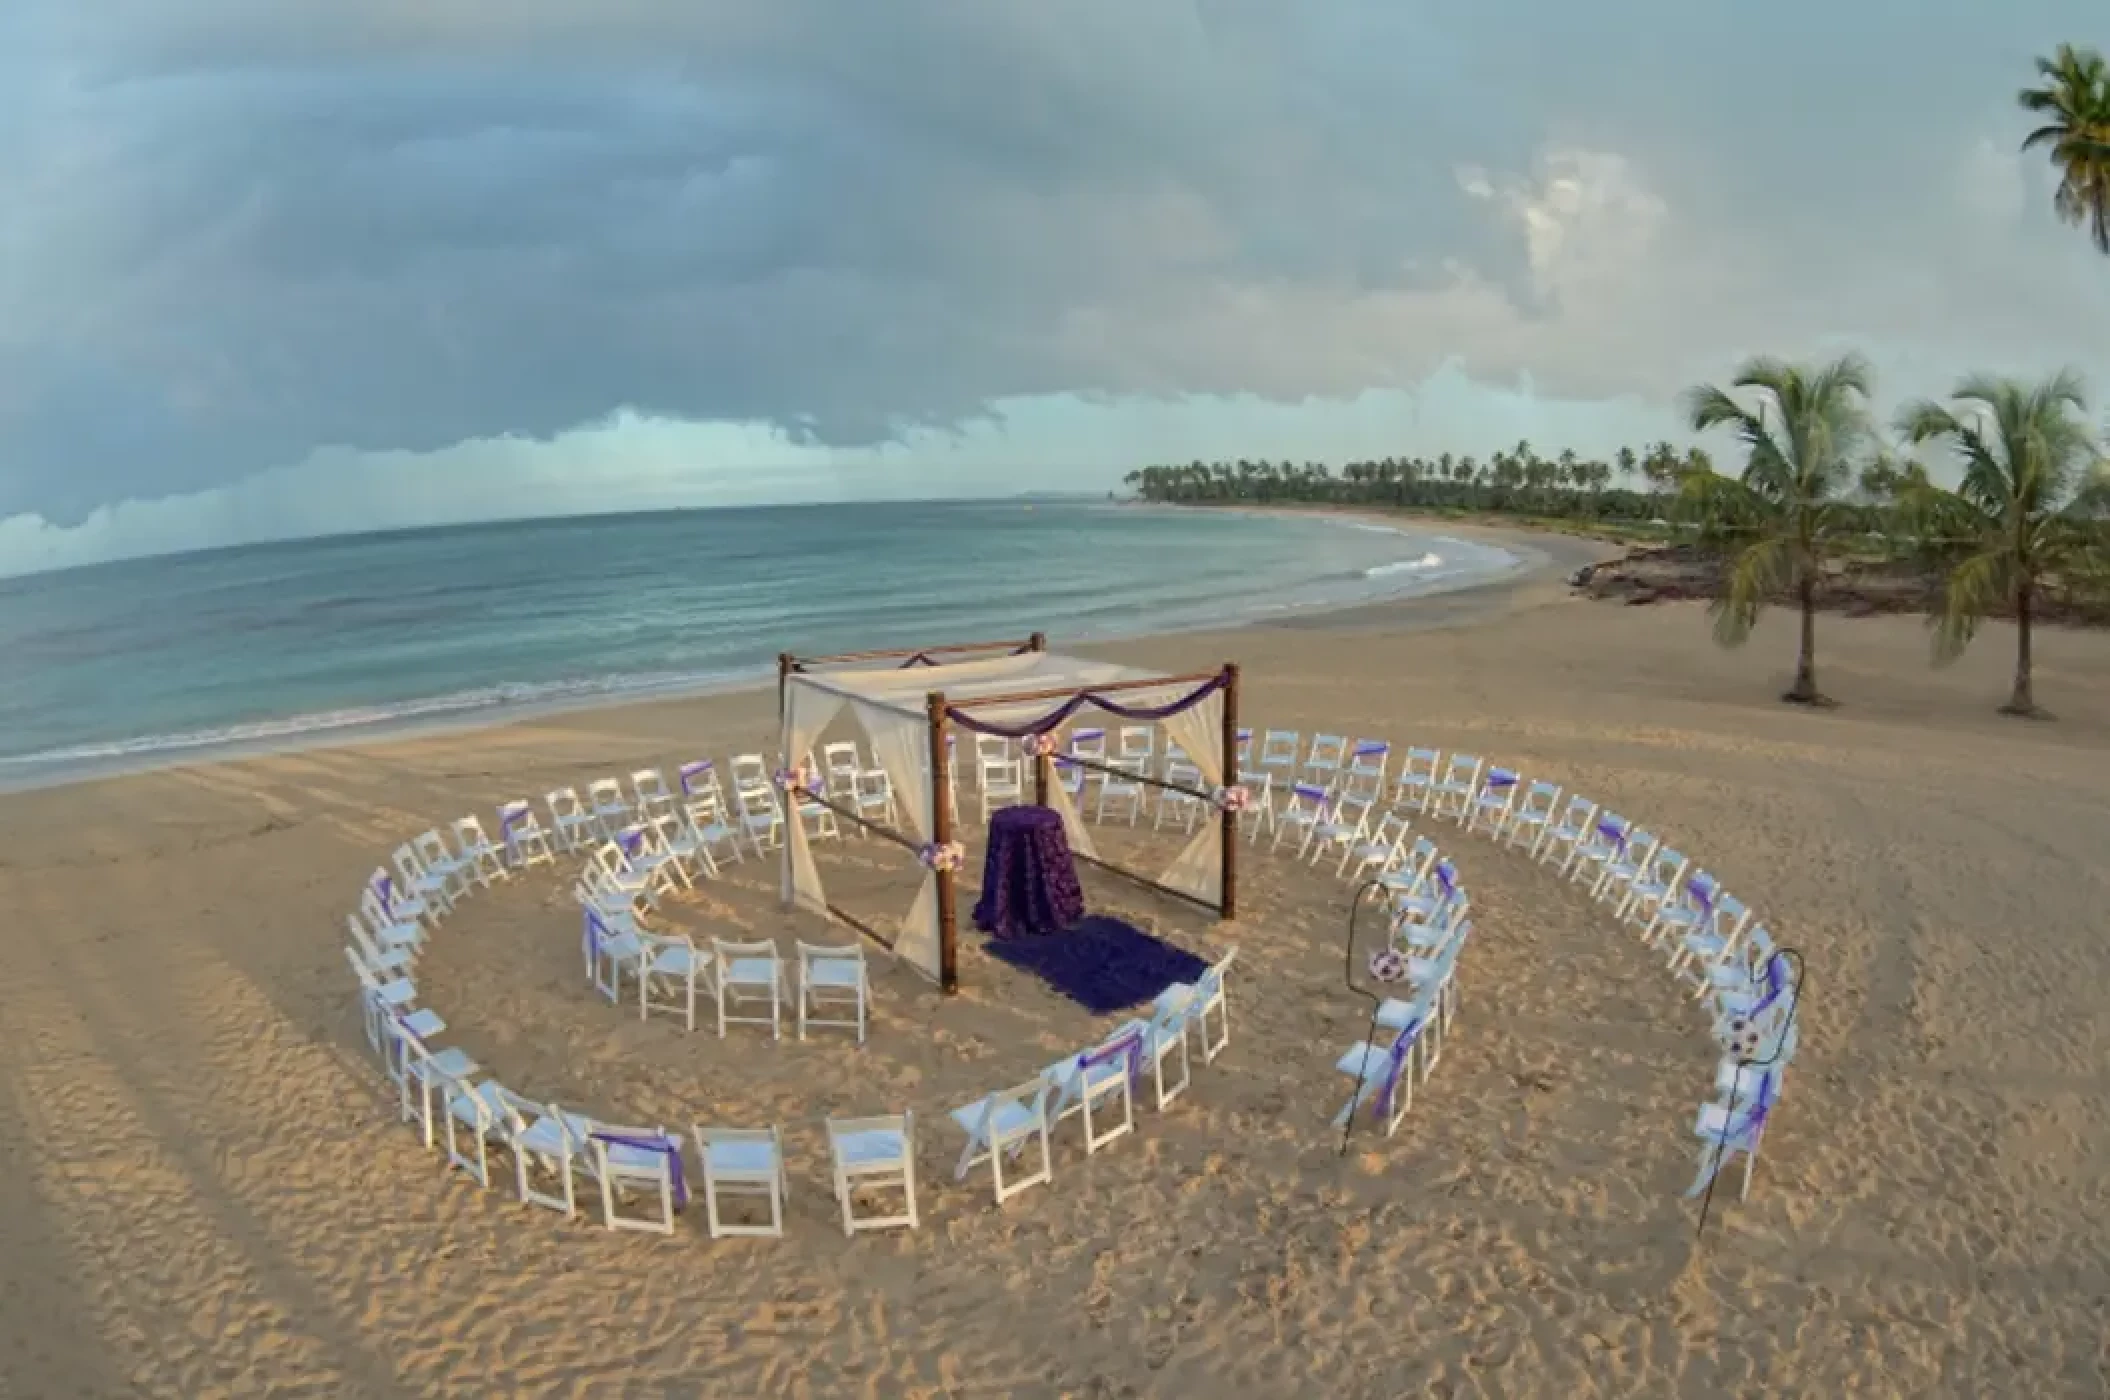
(1758,571)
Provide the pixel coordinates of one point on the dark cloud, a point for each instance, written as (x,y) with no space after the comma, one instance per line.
(242,229)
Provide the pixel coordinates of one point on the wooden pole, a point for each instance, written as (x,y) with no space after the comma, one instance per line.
(940,834)
(785,660)
(1232,777)
(1037,642)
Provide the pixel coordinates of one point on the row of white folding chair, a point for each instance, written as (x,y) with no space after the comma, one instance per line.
(1006,1124)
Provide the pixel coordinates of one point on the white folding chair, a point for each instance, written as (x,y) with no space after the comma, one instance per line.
(833,980)
(1181,799)
(750,773)
(1325,759)
(1494,801)
(438,862)
(1305,809)
(433,890)
(401,905)
(872,794)
(1139,745)
(654,798)
(1085,1084)
(716,834)
(742,1163)
(522,836)
(1452,795)
(1164,1037)
(547,1144)
(1003,1124)
(389,933)
(669,968)
(1532,816)
(607,804)
(638,1162)
(571,818)
(877,1152)
(1384,1078)
(747,973)
(699,778)
(615,949)
(1417,775)
(425,1073)
(1280,750)
(474,1114)
(841,766)
(482,861)
(1660,880)
(1623,866)
(1368,760)
(1577,820)
(761,819)
(1120,786)
(1000,782)
(1378,852)
(1596,848)
(1196,999)
(1345,826)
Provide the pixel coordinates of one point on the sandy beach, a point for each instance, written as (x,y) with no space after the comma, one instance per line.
(206,1191)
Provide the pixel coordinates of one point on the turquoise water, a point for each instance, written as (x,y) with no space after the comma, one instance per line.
(130,665)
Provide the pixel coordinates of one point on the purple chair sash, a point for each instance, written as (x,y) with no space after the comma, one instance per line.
(1128,1047)
(1371,750)
(509,817)
(1447,877)
(632,840)
(1395,1063)
(385,891)
(667,1147)
(1499,779)
(1316,794)
(689,771)
(1613,833)
(590,937)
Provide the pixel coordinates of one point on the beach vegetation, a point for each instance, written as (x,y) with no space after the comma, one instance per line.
(2024,517)
(2071,104)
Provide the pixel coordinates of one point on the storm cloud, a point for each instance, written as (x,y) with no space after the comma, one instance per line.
(240,233)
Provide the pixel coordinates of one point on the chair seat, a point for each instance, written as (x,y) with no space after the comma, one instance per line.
(1173,997)
(1369,1062)
(1009,1119)
(873,1147)
(404,935)
(543,1136)
(424,1023)
(1743,1080)
(675,959)
(639,1160)
(394,959)
(622,947)
(1398,1015)
(742,1159)
(839,975)
(751,972)
(1064,1073)
(463,1106)
(400,992)
(451,1063)
(1704,945)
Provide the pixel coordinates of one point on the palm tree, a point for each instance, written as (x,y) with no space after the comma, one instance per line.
(2017,519)
(2073,103)
(1784,511)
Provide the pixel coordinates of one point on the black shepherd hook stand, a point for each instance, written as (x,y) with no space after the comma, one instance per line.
(1780,1043)
(1377,1004)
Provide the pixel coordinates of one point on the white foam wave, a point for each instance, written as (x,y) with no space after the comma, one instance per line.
(1405,566)
(508,695)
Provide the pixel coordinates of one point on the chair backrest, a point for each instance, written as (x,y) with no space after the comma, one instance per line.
(842,758)
(698,776)
(811,953)
(1419,763)
(1311,798)
(651,788)
(1032,1096)
(726,953)
(1579,813)
(1070,775)
(758,802)
(368,983)
(1365,785)
(1088,743)
(1328,753)
(1245,747)
(873,783)
(431,849)
(370,905)
(1184,774)
(1370,756)
(750,772)
(1540,798)
(1279,748)
(606,792)
(1420,857)
(517,816)
(1004,772)
(1613,828)
(1640,847)
(1667,866)
(469,834)
(563,802)
(989,747)
(1462,771)
(705,812)
(1138,741)
(1391,832)
(1499,784)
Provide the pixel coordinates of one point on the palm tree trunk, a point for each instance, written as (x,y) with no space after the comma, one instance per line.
(1804,691)
(2024,700)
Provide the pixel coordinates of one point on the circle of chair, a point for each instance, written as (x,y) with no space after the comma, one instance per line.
(1330,799)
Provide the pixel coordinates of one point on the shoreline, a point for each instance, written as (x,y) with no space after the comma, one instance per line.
(1454,604)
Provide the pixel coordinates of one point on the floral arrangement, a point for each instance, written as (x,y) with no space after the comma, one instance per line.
(799,778)
(1233,799)
(1386,965)
(950,856)
(1039,745)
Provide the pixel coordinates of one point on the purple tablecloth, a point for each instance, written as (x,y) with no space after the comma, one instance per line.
(1029,883)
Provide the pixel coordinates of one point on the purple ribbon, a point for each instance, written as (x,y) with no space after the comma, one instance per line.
(508,817)
(1702,892)
(690,770)
(590,937)
(1316,794)
(1613,833)
(1371,750)
(1501,778)
(1447,876)
(1056,717)
(385,891)
(1395,1062)
(631,840)
(1128,1047)
(1244,734)
(667,1147)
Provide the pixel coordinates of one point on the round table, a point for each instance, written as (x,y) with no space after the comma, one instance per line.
(1029,881)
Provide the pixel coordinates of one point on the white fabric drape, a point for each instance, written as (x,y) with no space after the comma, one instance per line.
(1072,823)
(1198,730)
(807,711)
(899,743)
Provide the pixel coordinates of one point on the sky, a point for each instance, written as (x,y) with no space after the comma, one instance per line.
(272,268)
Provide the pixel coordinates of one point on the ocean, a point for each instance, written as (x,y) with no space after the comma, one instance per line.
(137,664)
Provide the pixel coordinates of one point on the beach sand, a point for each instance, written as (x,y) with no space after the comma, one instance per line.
(206,1193)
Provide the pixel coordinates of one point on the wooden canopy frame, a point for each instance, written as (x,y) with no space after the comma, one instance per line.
(941,712)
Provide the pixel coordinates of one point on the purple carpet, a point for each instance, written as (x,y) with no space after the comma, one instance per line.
(1101,964)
